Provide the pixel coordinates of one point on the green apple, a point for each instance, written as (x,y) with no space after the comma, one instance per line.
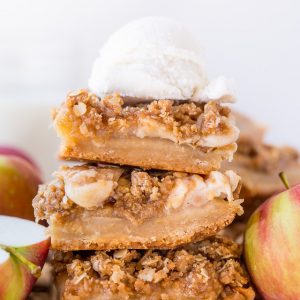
(24,247)
(19,182)
(272,246)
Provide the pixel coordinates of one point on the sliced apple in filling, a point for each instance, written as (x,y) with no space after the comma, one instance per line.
(107,207)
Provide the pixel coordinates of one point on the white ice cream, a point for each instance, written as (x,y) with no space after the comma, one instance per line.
(155,58)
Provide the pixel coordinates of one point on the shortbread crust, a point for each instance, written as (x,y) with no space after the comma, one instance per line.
(163,134)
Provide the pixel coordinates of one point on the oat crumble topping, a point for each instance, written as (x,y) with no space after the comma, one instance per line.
(206,270)
(136,195)
(185,121)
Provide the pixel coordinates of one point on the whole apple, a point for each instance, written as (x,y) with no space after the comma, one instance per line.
(272,246)
(19,182)
(12,151)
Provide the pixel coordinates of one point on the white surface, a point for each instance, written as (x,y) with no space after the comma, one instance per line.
(153,58)
(4,256)
(48,47)
(20,232)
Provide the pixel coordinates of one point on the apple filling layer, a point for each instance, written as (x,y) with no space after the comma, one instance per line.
(106,207)
(163,134)
(209,269)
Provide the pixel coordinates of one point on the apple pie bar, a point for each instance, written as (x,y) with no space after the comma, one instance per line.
(209,269)
(168,135)
(259,166)
(102,207)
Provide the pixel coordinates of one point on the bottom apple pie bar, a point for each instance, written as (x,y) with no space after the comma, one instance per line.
(102,207)
(209,269)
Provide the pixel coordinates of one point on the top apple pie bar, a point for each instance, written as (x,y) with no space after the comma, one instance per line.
(163,134)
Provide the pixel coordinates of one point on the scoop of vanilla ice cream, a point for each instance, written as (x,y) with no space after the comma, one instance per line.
(154,58)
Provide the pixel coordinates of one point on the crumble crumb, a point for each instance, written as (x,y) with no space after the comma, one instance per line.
(132,193)
(184,120)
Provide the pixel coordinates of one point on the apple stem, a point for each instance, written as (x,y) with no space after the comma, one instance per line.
(34,269)
(284,180)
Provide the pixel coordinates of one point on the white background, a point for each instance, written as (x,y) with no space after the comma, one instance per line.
(47,49)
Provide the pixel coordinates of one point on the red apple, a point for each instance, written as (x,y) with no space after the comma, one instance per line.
(272,246)
(19,182)
(6,150)
(24,247)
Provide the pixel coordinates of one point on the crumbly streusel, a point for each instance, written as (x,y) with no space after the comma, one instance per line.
(91,114)
(206,270)
(137,194)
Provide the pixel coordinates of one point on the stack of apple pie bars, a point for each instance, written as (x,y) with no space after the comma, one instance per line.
(146,228)
(137,218)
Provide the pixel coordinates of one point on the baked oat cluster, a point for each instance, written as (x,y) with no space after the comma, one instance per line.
(137,216)
(206,270)
(185,120)
(136,195)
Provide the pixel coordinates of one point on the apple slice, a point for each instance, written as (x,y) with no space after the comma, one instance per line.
(24,247)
